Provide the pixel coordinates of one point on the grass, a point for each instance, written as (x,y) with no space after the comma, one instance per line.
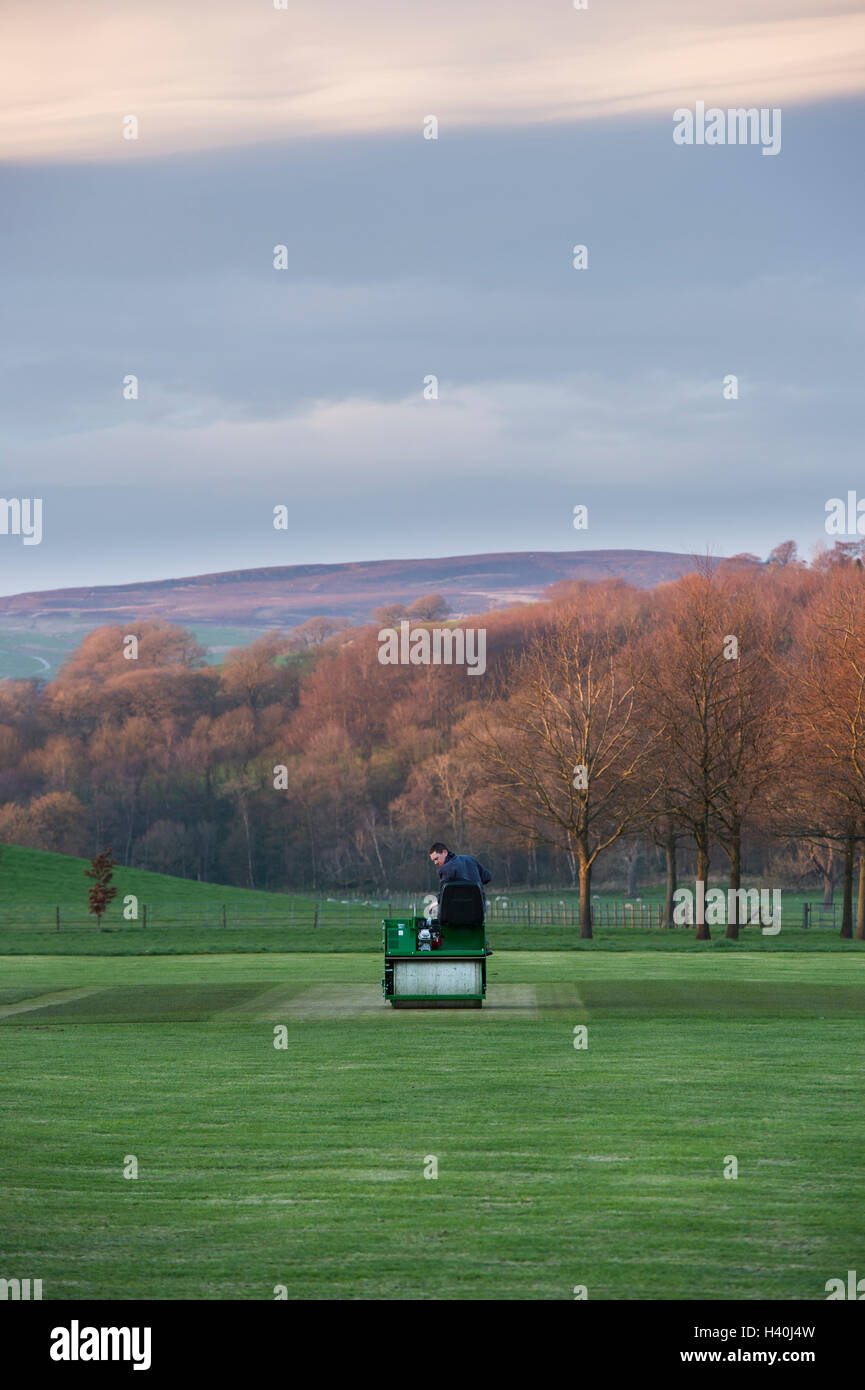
(31,876)
(335,938)
(34,881)
(303,1167)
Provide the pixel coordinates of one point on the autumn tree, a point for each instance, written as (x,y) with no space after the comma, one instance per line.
(747,722)
(256,674)
(389,615)
(826,722)
(784,554)
(428,608)
(691,689)
(315,631)
(139,667)
(102,890)
(560,747)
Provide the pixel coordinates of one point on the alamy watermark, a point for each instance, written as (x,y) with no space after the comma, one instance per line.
(854,1288)
(77,1343)
(845,518)
(20,1290)
(715,908)
(438,646)
(735,126)
(22,516)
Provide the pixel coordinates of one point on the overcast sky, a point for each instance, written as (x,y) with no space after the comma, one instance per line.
(409,257)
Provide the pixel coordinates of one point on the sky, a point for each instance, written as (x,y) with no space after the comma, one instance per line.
(408,257)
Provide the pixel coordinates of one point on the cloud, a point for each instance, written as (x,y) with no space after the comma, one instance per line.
(661,462)
(214,73)
(675,428)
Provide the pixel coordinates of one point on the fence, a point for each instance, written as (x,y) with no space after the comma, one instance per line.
(287,912)
(819,915)
(283,912)
(526,912)
(309,913)
(637,914)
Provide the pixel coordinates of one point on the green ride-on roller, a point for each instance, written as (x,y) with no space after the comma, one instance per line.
(438,965)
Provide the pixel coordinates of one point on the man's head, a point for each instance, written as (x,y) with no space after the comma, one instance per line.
(438,853)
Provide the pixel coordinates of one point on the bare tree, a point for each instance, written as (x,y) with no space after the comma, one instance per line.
(824,742)
(691,690)
(558,756)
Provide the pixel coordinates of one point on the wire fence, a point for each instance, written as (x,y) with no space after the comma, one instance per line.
(306,913)
(292,912)
(347,914)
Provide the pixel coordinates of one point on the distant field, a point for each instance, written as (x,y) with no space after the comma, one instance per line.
(28,651)
(220,640)
(304,1167)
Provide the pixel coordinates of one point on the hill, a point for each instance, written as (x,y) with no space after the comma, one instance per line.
(224,610)
(34,876)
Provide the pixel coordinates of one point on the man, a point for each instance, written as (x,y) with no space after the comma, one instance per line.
(459,868)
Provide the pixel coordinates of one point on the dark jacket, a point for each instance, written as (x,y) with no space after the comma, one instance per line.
(462,868)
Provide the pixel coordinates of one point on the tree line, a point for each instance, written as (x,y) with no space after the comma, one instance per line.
(714,723)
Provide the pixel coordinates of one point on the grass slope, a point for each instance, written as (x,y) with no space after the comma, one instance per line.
(556,1167)
(30,876)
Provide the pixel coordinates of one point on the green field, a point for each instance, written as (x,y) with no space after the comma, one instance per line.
(186,917)
(30,876)
(39,649)
(303,1167)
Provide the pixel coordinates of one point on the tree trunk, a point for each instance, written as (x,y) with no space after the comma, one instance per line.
(312,857)
(670,855)
(847,911)
(860,905)
(244,811)
(735,882)
(703,933)
(377,854)
(632,874)
(585,897)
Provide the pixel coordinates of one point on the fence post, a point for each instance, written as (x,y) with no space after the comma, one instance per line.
(804,914)
(223,915)
(144,916)
(315,918)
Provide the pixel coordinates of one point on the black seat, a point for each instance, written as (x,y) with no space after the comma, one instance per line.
(461,905)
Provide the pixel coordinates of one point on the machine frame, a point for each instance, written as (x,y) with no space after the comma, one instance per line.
(459,943)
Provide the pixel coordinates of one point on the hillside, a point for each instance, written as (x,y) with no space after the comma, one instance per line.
(37,630)
(292,593)
(30,877)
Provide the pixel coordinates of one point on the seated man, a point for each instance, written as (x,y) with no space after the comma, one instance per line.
(459,868)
